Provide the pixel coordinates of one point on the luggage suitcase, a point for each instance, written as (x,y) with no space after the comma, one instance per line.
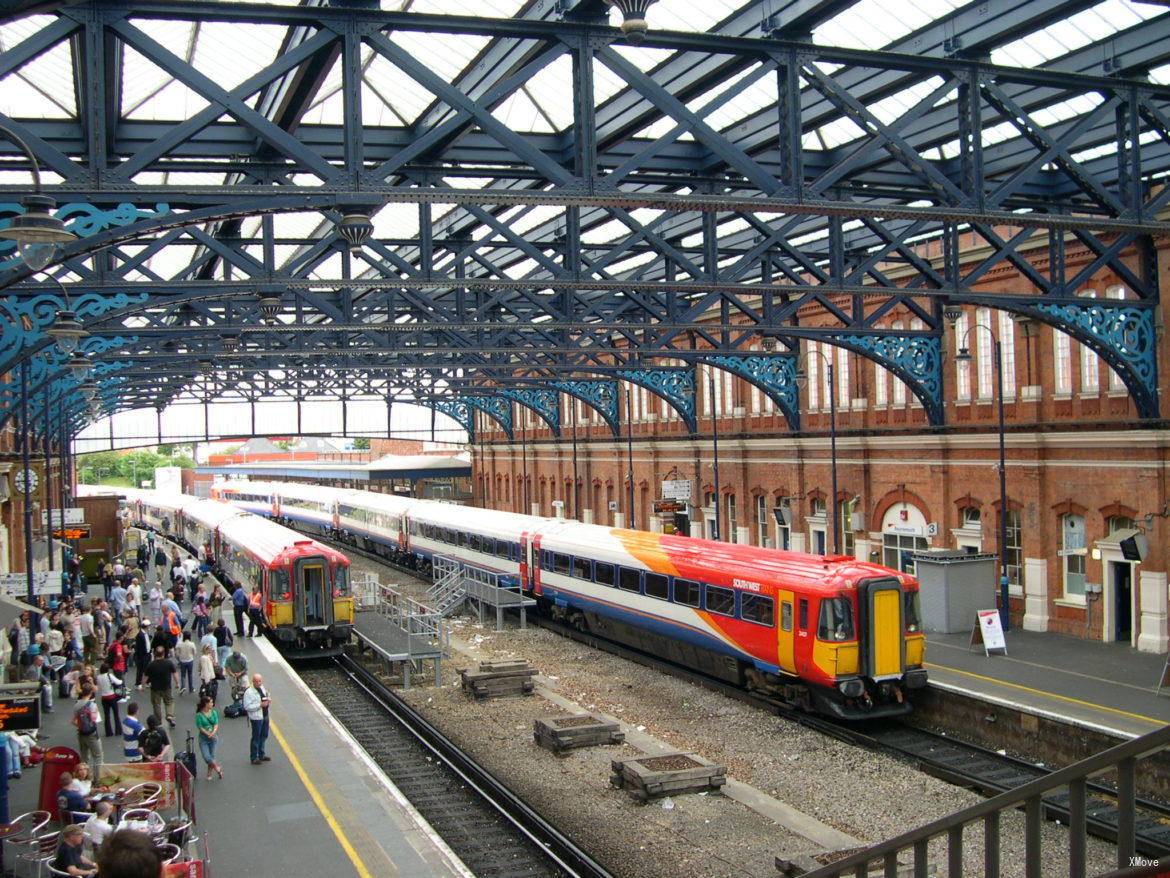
(187,757)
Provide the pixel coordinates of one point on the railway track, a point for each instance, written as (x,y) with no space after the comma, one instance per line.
(949,759)
(487,826)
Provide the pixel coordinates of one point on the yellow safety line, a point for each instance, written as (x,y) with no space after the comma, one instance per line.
(1138,716)
(319,801)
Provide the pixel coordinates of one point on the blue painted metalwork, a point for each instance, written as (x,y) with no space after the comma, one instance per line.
(456,409)
(774,375)
(675,385)
(24,319)
(81,218)
(546,403)
(1123,335)
(915,359)
(599,394)
(495,407)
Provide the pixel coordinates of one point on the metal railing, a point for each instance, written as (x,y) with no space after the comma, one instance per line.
(365,591)
(422,625)
(1121,759)
(446,593)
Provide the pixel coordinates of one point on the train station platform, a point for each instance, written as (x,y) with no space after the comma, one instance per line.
(321,807)
(1109,687)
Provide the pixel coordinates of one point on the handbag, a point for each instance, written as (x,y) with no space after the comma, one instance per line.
(219,675)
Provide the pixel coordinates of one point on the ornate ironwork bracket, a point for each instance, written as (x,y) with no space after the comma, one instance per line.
(81,218)
(775,376)
(675,385)
(24,319)
(546,403)
(495,407)
(456,409)
(599,394)
(915,359)
(1124,336)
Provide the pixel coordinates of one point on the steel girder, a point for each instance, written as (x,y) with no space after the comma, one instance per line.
(764,229)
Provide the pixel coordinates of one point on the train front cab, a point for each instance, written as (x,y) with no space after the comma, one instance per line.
(317,614)
(868,647)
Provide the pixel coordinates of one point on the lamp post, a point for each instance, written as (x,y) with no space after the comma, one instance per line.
(964,356)
(831,509)
(715,450)
(629,460)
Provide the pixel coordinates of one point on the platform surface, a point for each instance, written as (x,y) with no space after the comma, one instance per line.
(391,640)
(1110,686)
(319,808)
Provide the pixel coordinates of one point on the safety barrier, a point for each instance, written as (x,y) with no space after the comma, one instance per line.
(1120,761)
(457,582)
(446,594)
(365,591)
(404,632)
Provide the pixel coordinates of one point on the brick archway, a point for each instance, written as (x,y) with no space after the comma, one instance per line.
(894,497)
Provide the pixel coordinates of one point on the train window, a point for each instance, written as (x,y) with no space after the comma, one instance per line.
(629,580)
(912,611)
(341,582)
(686,591)
(464,540)
(278,585)
(757,608)
(836,622)
(475,542)
(657,586)
(603,573)
(503,549)
(450,537)
(546,560)
(786,615)
(582,568)
(720,600)
(561,563)
(488,545)
(803,620)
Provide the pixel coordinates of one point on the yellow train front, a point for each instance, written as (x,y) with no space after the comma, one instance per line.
(305,592)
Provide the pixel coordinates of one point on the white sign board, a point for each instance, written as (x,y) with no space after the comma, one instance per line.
(16,584)
(676,489)
(72,515)
(989,630)
(168,479)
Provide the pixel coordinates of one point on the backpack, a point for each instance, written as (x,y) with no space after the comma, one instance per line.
(85,724)
(234,710)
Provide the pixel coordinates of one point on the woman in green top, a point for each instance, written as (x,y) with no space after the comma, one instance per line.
(207,722)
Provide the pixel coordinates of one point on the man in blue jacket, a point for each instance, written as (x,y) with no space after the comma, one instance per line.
(239,606)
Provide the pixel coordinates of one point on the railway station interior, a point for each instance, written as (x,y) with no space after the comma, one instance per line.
(610,438)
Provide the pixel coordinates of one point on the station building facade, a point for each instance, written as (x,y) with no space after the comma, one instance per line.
(1083,470)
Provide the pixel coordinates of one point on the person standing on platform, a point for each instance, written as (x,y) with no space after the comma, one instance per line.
(134,596)
(154,599)
(236,671)
(255,613)
(161,673)
(185,653)
(207,722)
(87,720)
(208,682)
(256,703)
(88,638)
(141,652)
(200,612)
(118,600)
(160,565)
(140,555)
(131,732)
(38,672)
(239,607)
(110,690)
(223,641)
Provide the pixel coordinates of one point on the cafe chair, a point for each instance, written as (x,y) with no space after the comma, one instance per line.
(19,833)
(40,850)
(169,853)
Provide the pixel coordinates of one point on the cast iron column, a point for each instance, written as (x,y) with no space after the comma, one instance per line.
(715,449)
(629,461)
(1004,614)
(833,456)
(24,462)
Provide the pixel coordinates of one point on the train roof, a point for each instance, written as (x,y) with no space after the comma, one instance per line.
(750,563)
(266,539)
(211,513)
(474,518)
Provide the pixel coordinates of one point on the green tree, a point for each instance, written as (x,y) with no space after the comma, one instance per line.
(361,443)
(166,450)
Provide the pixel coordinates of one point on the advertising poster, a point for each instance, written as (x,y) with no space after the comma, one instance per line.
(123,775)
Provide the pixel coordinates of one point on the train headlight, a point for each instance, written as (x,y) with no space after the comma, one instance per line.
(912,628)
(853,688)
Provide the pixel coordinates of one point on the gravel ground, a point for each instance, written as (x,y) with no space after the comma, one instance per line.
(866,795)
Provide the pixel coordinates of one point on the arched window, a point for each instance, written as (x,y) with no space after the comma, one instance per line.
(1114,523)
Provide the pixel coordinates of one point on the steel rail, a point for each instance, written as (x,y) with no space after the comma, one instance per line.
(545,837)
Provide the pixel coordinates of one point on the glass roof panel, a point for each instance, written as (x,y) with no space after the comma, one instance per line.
(1075,32)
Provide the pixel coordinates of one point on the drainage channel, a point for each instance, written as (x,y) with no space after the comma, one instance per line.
(490,829)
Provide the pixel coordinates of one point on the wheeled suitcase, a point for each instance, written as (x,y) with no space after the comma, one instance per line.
(187,757)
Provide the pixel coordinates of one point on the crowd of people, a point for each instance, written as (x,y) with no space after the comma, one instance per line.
(96,652)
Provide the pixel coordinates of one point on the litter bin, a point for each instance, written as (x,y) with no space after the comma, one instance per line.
(58,760)
(953,586)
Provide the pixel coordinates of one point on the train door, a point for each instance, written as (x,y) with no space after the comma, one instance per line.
(275,505)
(525,561)
(885,654)
(786,651)
(336,515)
(803,641)
(403,530)
(313,608)
(535,558)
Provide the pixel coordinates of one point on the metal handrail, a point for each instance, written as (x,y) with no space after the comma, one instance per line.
(1122,758)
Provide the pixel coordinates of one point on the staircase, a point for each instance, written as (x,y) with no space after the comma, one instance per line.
(447,592)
